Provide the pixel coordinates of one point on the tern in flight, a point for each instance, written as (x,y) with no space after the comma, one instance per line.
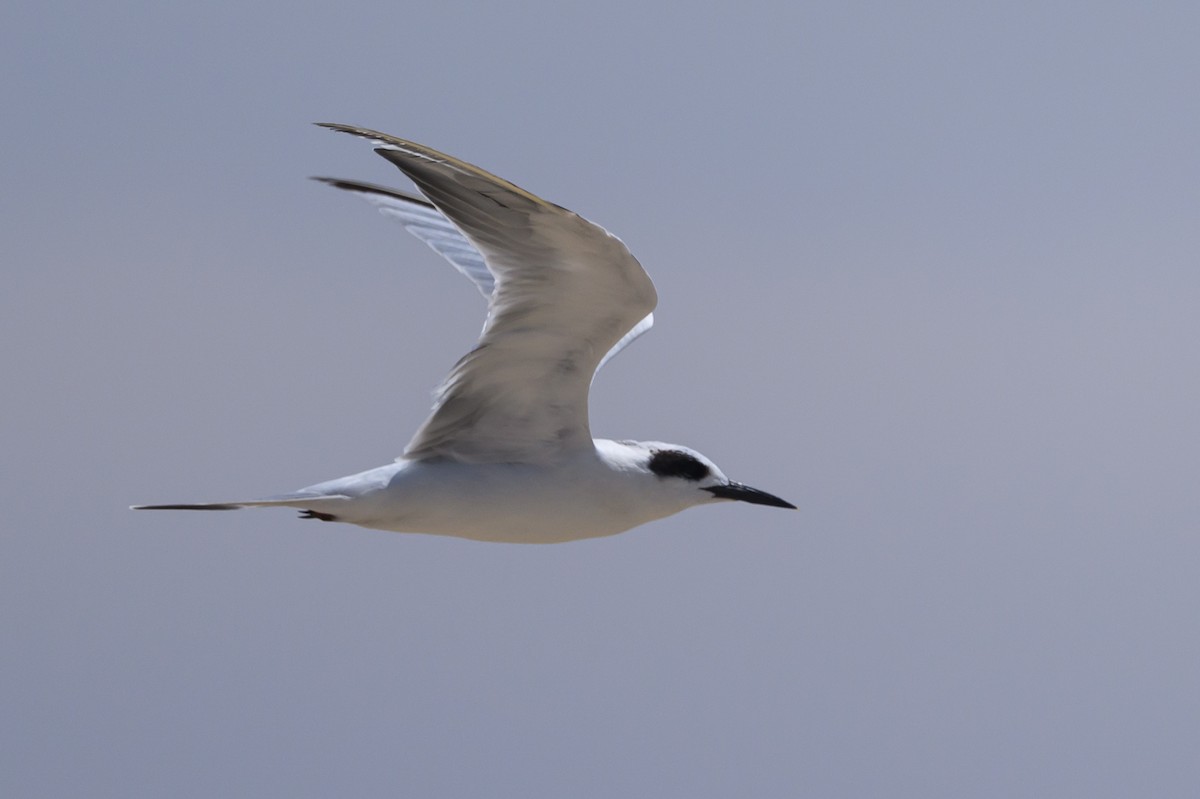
(507,454)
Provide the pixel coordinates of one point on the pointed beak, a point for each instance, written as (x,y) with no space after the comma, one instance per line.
(745,493)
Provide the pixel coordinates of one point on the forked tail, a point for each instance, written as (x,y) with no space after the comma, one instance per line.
(297,500)
(200,506)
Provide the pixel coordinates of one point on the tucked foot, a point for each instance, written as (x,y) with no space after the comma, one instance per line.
(312,514)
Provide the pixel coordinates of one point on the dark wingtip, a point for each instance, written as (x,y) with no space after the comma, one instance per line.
(337,183)
(362,187)
(353,130)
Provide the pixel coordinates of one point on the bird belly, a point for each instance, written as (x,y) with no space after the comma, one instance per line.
(511,504)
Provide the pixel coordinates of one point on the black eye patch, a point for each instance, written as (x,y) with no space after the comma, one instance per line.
(673,463)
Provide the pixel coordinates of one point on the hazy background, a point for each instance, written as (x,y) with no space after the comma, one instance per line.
(927,270)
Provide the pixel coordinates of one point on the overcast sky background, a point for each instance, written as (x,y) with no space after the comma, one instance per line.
(928,270)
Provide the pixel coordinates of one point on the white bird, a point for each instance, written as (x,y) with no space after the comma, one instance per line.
(507,454)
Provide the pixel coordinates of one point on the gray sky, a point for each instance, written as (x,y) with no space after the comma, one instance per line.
(927,270)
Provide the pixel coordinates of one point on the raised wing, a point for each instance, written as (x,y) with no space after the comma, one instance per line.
(422,219)
(566,292)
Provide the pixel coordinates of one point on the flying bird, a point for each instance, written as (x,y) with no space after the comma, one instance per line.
(507,453)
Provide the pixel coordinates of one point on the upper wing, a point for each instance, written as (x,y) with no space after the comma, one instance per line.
(565,294)
(423,220)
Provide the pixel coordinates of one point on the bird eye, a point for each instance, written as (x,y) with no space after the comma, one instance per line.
(673,463)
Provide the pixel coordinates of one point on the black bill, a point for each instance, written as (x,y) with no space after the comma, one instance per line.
(745,493)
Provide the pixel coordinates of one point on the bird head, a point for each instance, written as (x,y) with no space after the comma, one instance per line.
(697,478)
